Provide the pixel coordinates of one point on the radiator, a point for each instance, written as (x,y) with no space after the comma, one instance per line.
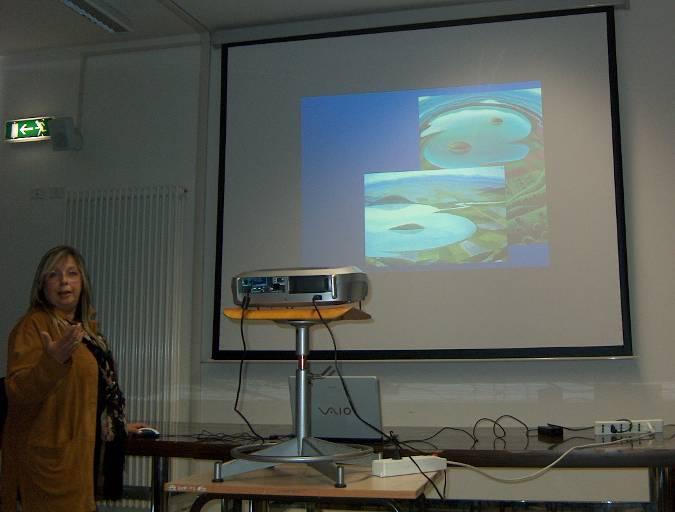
(132,242)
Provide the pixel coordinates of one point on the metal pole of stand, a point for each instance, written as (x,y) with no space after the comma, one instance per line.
(318,453)
(340,477)
(302,391)
(217,472)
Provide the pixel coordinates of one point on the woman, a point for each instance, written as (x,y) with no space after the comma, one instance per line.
(63,442)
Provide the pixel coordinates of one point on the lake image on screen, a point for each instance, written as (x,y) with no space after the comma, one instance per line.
(425,218)
(503,127)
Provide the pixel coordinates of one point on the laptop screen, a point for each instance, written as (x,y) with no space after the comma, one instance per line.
(330,413)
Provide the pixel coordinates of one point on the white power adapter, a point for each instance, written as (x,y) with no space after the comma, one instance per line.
(405,466)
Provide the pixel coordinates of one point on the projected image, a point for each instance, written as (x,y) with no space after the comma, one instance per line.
(448,177)
(445,216)
(470,134)
(501,128)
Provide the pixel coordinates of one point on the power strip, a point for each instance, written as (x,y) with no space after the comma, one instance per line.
(628,427)
(405,466)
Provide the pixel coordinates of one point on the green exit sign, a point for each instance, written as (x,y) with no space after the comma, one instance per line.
(27,130)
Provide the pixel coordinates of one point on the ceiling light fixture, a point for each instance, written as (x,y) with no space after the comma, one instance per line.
(101,14)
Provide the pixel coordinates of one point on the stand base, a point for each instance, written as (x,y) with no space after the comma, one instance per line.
(317,453)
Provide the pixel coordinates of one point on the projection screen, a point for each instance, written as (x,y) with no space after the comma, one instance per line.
(472,169)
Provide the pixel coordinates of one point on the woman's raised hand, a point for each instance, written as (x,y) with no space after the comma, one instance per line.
(63,348)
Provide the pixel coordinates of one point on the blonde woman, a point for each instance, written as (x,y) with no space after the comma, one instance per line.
(63,442)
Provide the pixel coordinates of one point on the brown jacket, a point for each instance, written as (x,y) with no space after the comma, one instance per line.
(49,436)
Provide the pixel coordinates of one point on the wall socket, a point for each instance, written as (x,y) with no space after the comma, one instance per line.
(628,427)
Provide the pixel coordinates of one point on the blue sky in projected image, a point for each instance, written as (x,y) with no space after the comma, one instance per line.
(435,149)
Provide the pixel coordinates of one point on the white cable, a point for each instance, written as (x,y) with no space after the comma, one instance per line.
(543,470)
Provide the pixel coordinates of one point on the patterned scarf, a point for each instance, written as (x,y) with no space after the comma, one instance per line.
(111,431)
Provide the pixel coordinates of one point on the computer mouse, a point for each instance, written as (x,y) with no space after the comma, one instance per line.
(148,432)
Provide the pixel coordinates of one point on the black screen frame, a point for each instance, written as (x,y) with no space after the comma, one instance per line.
(562,352)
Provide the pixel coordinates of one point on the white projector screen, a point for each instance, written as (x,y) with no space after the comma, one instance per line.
(472,169)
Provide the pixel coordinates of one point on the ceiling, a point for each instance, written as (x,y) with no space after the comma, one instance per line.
(27,26)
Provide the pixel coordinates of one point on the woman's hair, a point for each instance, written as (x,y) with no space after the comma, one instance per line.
(84,312)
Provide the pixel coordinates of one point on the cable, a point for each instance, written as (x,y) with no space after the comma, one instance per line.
(426,439)
(614,430)
(573,438)
(527,429)
(210,437)
(571,429)
(494,425)
(391,438)
(498,429)
(433,484)
(543,470)
(244,307)
(397,445)
(342,380)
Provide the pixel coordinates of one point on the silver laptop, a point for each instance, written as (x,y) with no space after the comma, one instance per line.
(330,413)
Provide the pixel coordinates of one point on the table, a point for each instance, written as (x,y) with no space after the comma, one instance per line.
(514,450)
(302,483)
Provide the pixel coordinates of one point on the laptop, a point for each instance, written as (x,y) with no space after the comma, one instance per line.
(330,414)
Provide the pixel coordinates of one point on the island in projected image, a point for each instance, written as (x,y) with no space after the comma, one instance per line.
(479,196)
(446,216)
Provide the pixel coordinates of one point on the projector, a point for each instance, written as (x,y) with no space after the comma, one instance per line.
(300,286)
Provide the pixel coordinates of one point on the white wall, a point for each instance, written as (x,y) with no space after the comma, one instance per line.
(138,113)
(29,227)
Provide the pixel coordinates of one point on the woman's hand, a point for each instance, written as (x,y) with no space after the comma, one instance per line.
(63,348)
(132,428)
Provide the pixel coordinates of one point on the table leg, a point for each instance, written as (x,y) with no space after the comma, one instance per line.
(258,505)
(160,475)
(662,482)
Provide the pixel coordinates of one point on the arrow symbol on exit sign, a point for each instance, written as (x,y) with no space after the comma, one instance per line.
(27,129)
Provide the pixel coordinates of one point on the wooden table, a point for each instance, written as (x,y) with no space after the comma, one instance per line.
(514,450)
(302,483)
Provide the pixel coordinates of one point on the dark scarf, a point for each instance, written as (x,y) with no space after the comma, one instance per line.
(111,428)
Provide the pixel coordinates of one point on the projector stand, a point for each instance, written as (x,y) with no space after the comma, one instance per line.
(303,448)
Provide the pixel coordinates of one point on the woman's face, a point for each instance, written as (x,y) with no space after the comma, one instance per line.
(63,285)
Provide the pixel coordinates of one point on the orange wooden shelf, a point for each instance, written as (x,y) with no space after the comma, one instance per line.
(329,313)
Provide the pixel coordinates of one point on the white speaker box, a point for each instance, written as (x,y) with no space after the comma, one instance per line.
(65,137)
